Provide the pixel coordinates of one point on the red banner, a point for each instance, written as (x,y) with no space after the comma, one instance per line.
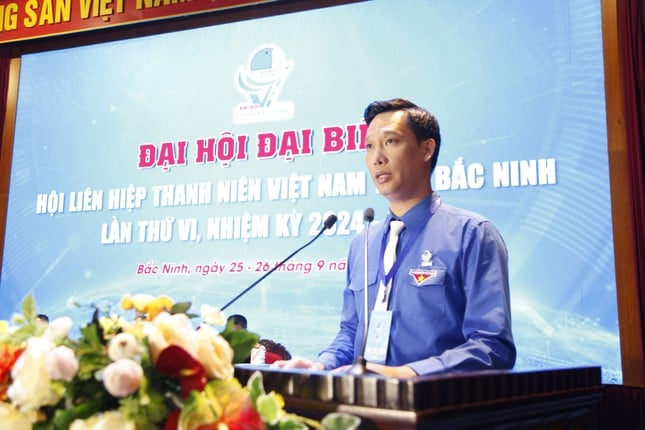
(29,19)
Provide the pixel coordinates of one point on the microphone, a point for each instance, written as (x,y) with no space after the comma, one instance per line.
(359,366)
(329,223)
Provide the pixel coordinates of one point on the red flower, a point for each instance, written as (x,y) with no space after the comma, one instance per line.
(8,356)
(172,421)
(175,361)
(247,419)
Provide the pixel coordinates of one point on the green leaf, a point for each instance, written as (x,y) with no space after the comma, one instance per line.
(196,411)
(63,418)
(241,341)
(148,411)
(255,386)
(21,334)
(289,423)
(180,308)
(340,421)
(91,352)
(269,408)
(91,334)
(29,308)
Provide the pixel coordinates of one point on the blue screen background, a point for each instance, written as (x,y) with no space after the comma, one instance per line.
(508,81)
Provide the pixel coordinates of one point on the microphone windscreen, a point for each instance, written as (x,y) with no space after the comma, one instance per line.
(330,221)
(368,215)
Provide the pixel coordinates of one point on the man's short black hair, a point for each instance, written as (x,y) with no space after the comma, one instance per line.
(423,124)
(239,320)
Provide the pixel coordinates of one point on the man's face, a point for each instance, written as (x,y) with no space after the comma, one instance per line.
(397,163)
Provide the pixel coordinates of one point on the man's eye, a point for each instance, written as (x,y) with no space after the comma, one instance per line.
(389,141)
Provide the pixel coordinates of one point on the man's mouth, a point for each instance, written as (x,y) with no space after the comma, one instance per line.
(381,177)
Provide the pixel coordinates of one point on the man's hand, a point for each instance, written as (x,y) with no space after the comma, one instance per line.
(298,363)
(392,371)
(303,363)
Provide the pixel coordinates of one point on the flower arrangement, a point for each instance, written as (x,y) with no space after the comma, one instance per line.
(153,370)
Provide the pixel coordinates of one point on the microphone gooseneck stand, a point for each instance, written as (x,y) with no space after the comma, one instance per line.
(360,364)
(329,222)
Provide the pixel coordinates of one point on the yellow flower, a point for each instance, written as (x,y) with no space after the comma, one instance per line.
(147,305)
(112,325)
(107,420)
(138,302)
(221,402)
(214,353)
(12,419)
(168,329)
(205,344)
(160,304)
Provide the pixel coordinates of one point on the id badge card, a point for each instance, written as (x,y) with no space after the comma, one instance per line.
(378,336)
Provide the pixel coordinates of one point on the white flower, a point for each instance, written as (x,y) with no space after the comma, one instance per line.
(31,387)
(106,421)
(122,377)
(212,315)
(62,364)
(123,345)
(58,328)
(155,340)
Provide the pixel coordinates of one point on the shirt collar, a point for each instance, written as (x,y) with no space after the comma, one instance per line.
(418,215)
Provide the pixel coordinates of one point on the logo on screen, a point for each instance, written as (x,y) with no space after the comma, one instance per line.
(261,80)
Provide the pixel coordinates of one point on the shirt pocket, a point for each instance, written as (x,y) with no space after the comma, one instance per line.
(357,281)
(425,295)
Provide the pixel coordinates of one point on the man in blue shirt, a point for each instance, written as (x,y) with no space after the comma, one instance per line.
(444,306)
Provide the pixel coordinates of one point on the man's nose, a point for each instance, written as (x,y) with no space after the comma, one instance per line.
(377,157)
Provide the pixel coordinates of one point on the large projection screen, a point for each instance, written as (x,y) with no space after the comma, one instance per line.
(189,163)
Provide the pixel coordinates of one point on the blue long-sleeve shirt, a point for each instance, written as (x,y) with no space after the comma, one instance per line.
(450,298)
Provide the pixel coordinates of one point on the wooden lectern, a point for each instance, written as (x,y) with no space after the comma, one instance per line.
(541,399)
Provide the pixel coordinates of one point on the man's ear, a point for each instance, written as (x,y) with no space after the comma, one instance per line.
(429,146)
